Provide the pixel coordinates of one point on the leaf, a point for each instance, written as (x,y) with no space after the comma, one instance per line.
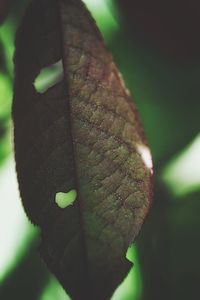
(83,135)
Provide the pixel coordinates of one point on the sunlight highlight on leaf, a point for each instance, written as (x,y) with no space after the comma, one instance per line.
(182,174)
(146,156)
(15,231)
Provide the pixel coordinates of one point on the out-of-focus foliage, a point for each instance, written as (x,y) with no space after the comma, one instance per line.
(4,9)
(171,27)
(166,91)
(182,173)
(15,231)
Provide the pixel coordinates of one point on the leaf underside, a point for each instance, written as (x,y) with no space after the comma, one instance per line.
(83,133)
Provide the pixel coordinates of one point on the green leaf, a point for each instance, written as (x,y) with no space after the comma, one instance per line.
(83,134)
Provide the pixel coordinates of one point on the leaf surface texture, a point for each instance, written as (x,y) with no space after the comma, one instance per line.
(82,134)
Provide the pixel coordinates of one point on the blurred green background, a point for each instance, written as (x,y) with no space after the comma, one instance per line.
(157,50)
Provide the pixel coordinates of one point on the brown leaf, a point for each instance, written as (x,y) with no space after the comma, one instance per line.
(82,135)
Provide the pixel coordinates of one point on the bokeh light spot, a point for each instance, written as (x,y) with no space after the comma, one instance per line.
(5,96)
(103,11)
(182,173)
(54,291)
(16,233)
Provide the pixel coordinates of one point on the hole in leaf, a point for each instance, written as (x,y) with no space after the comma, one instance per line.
(48,77)
(65,199)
